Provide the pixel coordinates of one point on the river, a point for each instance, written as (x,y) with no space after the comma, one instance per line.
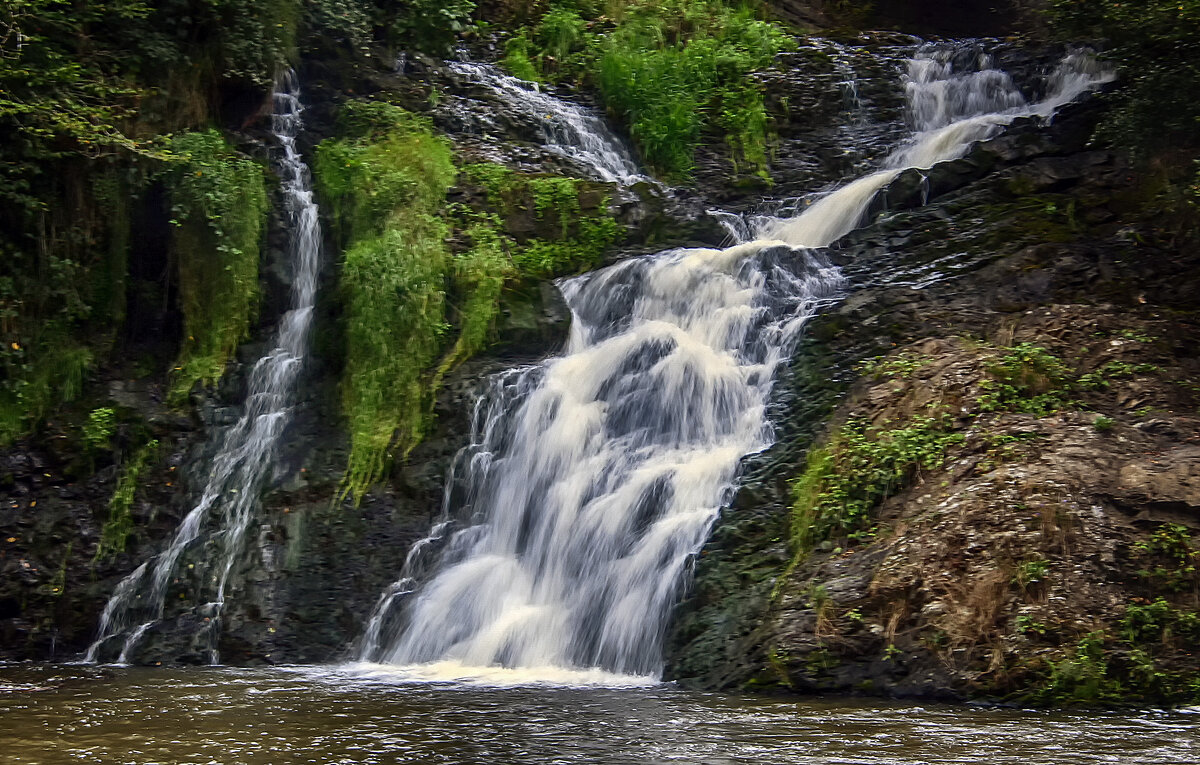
(65,714)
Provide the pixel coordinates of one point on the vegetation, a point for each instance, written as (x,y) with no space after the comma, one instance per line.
(96,103)
(861,466)
(407,291)
(1155,44)
(98,430)
(1029,379)
(671,71)
(219,203)
(120,516)
(385,181)
(901,366)
(569,240)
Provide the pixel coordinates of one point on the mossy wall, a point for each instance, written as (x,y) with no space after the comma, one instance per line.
(423,277)
(219,205)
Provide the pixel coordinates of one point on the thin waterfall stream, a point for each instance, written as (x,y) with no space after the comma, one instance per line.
(593,478)
(567,129)
(247,448)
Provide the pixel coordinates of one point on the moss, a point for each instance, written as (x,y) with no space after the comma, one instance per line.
(414,305)
(395,318)
(572,240)
(385,181)
(479,275)
(219,204)
(386,161)
(52,377)
(120,517)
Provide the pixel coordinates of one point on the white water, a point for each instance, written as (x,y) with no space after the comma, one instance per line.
(567,129)
(247,449)
(951,112)
(593,478)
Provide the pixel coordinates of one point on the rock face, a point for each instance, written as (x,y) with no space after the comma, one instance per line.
(1047,551)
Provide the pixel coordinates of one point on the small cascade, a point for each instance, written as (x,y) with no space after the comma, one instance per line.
(567,129)
(247,449)
(593,479)
(951,112)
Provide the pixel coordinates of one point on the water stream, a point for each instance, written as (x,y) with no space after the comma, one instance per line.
(567,129)
(247,449)
(593,478)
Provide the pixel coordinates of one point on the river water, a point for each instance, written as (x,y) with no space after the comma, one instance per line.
(56,714)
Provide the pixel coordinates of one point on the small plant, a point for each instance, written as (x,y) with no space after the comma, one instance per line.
(1135,335)
(99,429)
(900,366)
(1027,625)
(891,652)
(1171,543)
(1030,573)
(1114,370)
(1103,424)
(1082,676)
(1028,379)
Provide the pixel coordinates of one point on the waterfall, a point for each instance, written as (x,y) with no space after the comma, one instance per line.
(951,112)
(247,449)
(567,129)
(592,479)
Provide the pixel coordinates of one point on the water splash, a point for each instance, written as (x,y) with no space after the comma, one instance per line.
(567,129)
(247,448)
(593,478)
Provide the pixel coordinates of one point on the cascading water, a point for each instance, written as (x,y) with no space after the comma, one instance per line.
(593,478)
(247,449)
(567,129)
(951,112)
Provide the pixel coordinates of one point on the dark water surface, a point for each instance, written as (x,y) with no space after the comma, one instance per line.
(131,715)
